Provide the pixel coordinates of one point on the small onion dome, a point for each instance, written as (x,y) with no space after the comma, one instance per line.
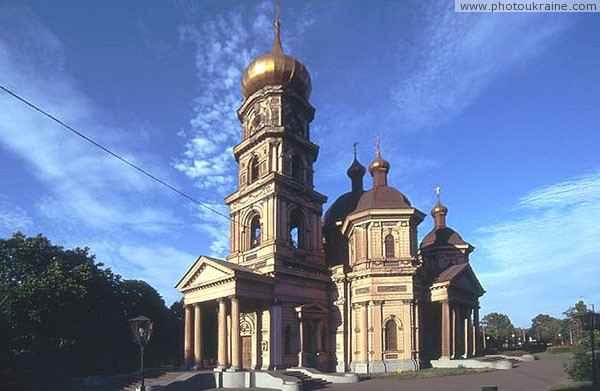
(356,170)
(439,209)
(276,69)
(379,164)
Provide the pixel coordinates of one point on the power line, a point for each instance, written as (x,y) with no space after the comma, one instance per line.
(113,154)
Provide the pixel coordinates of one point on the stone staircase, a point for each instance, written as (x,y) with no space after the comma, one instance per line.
(512,360)
(308,383)
(155,380)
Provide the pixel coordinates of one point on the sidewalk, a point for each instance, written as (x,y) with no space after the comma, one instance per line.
(540,375)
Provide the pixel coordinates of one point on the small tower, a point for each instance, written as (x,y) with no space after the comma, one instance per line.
(442,246)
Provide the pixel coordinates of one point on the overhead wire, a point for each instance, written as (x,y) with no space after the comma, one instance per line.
(121,158)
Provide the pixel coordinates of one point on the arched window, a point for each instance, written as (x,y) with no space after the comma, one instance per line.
(255,231)
(297,229)
(297,168)
(389,246)
(391,335)
(253,174)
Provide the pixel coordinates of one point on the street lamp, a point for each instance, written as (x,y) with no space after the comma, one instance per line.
(141,328)
(591,321)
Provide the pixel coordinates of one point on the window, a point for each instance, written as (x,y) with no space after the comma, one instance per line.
(389,246)
(253,175)
(296,229)
(255,231)
(297,168)
(391,335)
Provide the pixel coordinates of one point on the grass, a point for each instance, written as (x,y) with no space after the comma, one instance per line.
(425,373)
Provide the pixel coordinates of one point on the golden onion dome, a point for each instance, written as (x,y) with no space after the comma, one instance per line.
(276,69)
(379,164)
(439,208)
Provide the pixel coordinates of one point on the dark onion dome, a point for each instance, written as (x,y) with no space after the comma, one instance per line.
(356,170)
(441,235)
(276,69)
(381,196)
(341,208)
(346,203)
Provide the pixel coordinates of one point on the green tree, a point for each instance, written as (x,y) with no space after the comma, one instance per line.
(546,328)
(580,365)
(63,314)
(498,327)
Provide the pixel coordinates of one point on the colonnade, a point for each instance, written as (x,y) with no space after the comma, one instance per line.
(460,330)
(193,347)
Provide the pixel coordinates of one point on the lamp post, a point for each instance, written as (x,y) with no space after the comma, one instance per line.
(591,321)
(141,328)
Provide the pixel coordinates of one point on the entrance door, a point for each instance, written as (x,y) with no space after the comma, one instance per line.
(247,351)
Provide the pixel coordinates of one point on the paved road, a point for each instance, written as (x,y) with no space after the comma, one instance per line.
(538,375)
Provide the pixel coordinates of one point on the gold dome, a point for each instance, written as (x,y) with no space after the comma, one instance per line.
(276,69)
(379,164)
(439,209)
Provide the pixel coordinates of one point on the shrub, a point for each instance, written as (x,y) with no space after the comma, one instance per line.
(559,349)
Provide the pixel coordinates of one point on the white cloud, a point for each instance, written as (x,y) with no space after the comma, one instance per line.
(548,247)
(461,54)
(12,217)
(82,196)
(224,45)
(86,185)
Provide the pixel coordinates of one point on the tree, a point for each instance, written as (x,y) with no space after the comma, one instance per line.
(580,365)
(63,314)
(546,328)
(498,327)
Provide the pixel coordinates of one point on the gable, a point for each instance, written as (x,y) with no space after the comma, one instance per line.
(467,281)
(207,274)
(205,270)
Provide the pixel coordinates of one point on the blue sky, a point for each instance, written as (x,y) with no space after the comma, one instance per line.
(500,109)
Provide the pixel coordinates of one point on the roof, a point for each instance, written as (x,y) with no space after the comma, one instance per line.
(461,276)
(382,197)
(451,272)
(219,270)
(442,236)
(341,207)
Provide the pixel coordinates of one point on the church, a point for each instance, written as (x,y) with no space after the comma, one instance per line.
(348,291)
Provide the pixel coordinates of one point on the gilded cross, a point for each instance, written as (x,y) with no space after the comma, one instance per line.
(378,142)
(438,190)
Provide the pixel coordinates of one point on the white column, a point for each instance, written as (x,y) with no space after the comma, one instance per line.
(187,340)
(364,332)
(236,352)
(222,353)
(198,335)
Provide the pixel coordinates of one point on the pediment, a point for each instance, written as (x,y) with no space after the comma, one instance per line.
(205,271)
(467,281)
(460,276)
(209,274)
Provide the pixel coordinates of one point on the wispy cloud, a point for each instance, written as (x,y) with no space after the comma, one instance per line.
(81,194)
(12,217)
(461,55)
(550,239)
(224,45)
(85,183)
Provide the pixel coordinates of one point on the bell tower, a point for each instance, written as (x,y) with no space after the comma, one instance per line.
(275,211)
